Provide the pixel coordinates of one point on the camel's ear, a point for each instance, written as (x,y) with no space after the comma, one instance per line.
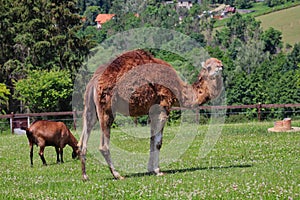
(203,65)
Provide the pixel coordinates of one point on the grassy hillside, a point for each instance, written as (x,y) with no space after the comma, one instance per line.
(287,21)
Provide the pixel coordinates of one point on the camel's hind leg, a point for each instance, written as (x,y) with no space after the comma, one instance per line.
(106,121)
(158,116)
(89,120)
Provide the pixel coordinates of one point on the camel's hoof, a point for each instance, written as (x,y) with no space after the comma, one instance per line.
(156,172)
(85,177)
(160,174)
(118,176)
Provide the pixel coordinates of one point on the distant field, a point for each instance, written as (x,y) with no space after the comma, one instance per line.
(247,162)
(287,21)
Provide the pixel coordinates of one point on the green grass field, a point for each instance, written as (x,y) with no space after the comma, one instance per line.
(287,21)
(285,18)
(247,162)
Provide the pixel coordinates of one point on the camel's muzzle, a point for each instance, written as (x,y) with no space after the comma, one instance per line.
(217,73)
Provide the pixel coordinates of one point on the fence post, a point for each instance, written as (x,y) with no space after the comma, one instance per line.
(11,121)
(259,111)
(74,119)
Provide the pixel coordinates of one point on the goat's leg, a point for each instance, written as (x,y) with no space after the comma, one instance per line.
(158,116)
(31,154)
(61,151)
(41,153)
(57,155)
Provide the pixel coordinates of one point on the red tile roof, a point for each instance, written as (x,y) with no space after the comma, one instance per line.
(102,18)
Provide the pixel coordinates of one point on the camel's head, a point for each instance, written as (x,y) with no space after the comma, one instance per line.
(209,84)
(212,69)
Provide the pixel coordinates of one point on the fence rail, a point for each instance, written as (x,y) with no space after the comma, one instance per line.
(18,120)
(23,119)
(259,107)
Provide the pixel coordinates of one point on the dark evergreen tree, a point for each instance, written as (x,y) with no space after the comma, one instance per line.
(39,34)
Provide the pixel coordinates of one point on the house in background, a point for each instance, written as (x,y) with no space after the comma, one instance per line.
(102,18)
(187,3)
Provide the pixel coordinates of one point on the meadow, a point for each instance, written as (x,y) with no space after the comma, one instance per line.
(246,162)
(287,21)
(284,18)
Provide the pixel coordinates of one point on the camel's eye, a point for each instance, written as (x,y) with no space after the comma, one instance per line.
(208,68)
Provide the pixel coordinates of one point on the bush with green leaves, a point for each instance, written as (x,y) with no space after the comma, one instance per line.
(4,93)
(45,91)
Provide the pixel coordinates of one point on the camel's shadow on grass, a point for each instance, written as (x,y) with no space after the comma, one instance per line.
(174,171)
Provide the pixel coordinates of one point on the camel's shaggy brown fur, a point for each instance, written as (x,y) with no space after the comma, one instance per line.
(134,84)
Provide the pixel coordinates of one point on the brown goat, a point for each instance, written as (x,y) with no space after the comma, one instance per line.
(49,133)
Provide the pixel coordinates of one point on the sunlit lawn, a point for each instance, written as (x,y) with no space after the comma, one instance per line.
(246,162)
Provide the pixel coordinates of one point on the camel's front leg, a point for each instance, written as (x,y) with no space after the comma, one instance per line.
(158,116)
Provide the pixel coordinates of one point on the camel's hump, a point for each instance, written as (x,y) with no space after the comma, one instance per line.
(133,58)
(119,66)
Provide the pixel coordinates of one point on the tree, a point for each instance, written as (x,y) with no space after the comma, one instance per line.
(243,4)
(298,77)
(45,91)
(272,3)
(91,13)
(243,28)
(4,94)
(250,56)
(39,34)
(272,40)
(293,58)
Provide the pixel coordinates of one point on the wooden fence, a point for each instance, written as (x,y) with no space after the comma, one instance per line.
(259,107)
(23,120)
(18,120)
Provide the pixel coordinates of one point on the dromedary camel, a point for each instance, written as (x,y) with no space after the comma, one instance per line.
(135,83)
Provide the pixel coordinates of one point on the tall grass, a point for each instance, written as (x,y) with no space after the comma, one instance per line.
(246,162)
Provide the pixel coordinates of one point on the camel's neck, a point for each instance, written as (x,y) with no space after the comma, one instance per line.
(188,97)
(201,92)
(194,95)
(206,89)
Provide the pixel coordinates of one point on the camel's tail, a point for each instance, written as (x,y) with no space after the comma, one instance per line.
(89,116)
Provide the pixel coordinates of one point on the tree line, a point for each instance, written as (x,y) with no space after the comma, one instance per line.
(44,44)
